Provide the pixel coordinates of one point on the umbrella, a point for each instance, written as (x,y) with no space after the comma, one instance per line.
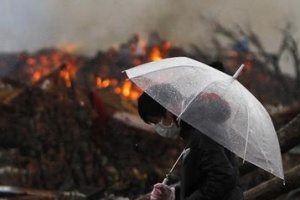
(214,103)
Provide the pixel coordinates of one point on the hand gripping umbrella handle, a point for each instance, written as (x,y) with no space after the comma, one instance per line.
(166,179)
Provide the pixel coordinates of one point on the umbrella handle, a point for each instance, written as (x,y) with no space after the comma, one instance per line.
(165,181)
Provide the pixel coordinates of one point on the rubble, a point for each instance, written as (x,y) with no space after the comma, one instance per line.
(72,124)
(61,151)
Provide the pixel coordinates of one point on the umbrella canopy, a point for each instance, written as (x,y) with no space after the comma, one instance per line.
(214,103)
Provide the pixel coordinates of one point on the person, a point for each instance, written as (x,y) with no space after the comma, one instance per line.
(209,171)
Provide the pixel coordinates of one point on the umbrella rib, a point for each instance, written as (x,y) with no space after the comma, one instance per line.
(248,130)
(247,136)
(264,153)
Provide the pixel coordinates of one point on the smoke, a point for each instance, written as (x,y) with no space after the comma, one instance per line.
(93,25)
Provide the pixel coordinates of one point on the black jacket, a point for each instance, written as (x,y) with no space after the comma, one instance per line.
(209,171)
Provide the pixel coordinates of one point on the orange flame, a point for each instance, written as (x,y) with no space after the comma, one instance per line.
(167,45)
(42,64)
(128,91)
(134,95)
(31,61)
(98,82)
(118,90)
(155,54)
(56,58)
(126,88)
(36,76)
(105,83)
(44,60)
(68,74)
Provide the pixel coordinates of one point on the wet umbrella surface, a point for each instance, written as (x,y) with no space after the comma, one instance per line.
(214,103)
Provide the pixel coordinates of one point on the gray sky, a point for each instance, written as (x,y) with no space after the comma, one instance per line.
(97,24)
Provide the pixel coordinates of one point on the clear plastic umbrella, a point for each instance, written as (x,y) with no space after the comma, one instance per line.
(214,103)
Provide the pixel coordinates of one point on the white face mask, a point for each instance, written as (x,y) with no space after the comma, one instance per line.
(171,131)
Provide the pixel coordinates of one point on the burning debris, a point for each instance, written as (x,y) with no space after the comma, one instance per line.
(60,109)
(102,72)
(63,142)
(62,123)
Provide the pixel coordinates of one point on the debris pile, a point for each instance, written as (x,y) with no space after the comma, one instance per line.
(60,142)
(61,127)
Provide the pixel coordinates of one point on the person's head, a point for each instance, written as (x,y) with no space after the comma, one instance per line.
(150,110)
(154,113)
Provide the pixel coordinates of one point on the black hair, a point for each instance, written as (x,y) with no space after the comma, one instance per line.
(166,93)
(148,107)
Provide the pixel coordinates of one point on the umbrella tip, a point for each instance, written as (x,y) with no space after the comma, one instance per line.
(237,73)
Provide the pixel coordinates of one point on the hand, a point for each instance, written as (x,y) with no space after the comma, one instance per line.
(162,192)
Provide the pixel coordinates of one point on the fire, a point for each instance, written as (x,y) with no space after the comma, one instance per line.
(134,95)
(125,89)
(102,84)
(105,82)
(155,54)
(136,61)
(41,63)
(167,45)
(36,76)
(129,92)
(136,50)
(31,61)
(44,60)
(69,73)
(67,77)
(56,58)
(118,90)
(98,82)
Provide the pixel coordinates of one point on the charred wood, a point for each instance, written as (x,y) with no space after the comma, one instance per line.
(20,91)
